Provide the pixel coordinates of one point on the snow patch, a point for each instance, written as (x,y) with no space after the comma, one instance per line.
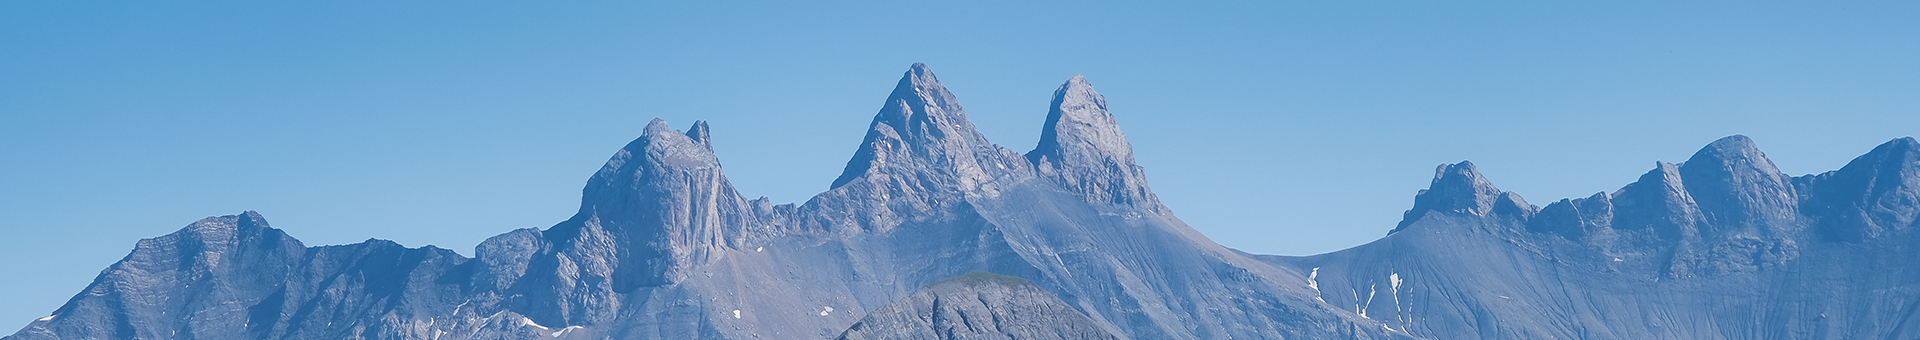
(564,331)
(45,319)
(529,323)
(1397,312)
(1371,290)
(1313,281)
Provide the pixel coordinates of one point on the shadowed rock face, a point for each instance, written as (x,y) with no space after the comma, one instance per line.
(1722,246)
(978,306)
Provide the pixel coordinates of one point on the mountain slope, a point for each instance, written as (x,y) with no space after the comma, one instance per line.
(977,306)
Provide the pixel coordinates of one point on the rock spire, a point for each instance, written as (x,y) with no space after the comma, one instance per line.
(1082,149)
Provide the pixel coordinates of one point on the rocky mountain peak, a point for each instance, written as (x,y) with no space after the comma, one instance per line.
(921,109)
(659,147)
(699,134)
(238,256)
(1081,148)
(1659,201)
(219,235)
(922,129)
(1872,195)
(1737,188)
(658,207)
(1459,188)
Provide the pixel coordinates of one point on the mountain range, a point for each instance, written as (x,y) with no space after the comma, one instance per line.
(931,231)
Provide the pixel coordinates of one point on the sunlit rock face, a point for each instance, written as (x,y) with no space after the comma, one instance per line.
(1721,246)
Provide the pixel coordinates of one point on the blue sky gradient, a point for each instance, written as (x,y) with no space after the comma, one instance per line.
(1272,127)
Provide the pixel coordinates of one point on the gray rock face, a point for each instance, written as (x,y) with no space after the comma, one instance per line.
(1739,191)
(922,148)
(1459,189)
(233,277)
(1081,149)
(1874,195)
(978,306)
(659,210)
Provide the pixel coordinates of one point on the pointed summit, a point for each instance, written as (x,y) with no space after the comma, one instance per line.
(663,200)
(920,105)
(1459,188)
(699,134)
(1875,193)
(922,139)
(1737,188)
(1658,201)
(1081,148)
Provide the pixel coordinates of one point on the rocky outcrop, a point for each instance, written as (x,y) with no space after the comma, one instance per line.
(1082,149)
(920,154)
(1658,205)
(1460,189)
(1739,191)
(149,293)
(978,306)
(232,277)
(1576,218)
(659,209)
(1873,196)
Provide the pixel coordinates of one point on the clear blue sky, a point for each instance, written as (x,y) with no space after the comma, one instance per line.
(1273,127)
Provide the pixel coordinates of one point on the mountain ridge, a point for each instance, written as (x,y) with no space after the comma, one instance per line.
(664,247)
